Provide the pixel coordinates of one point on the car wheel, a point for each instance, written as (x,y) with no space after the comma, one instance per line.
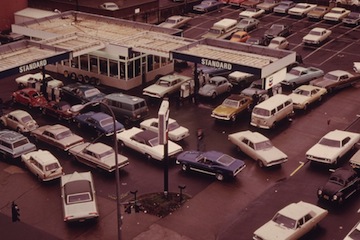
(229,89)
(18,130)
(121,143)
(29,106)
(320,98)
(184,167)
(38,178)
(260,163)
(78,125)
(293,85)
(233,118)
(219,177)
(213,96)
(306,106)
(2,124)
(43,111)
(274,125)
(66,73)
(148,157)
(80,78)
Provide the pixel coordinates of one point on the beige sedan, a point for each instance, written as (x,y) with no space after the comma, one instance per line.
(304,95)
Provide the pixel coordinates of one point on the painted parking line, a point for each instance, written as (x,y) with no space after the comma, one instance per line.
(297,169)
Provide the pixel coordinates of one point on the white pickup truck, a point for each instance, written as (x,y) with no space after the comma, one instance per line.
(29,80)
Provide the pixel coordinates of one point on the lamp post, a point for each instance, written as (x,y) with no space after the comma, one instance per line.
(78,108)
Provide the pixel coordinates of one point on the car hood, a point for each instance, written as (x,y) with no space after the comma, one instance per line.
(322,83)
(311,37)
(272,32)
(224,110)
(331,188)
(274,231)
(251,91)
(178,131)
(297,98)
(271,154)
(289,77)
(98,97)
(322,151)
(155,89)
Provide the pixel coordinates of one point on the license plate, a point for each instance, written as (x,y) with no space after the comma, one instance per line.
(326,197)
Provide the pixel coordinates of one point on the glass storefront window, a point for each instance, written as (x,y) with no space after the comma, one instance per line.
(84,63)
(114,70)
(103,66)
(94,64)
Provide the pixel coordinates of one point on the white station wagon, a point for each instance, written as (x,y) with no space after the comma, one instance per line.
(165,86)
(258,147)
(291,222)
(333,146)
(78,197)
(43,165)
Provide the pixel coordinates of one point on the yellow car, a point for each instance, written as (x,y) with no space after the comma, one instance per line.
(240,36)
(231,107)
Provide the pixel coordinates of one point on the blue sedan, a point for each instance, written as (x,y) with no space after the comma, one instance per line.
(213,163)
(101,122)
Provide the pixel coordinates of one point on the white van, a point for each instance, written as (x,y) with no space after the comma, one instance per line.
(269,112)
(222,29)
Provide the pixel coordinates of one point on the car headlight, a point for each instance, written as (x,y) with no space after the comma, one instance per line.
(335,197)
(319,192)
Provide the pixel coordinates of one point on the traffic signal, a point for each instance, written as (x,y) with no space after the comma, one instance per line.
(15,212)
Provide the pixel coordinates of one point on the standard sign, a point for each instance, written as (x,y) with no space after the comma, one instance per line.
(216,64)
(32,66)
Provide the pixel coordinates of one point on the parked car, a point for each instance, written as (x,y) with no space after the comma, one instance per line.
(57,135)
(251,13)
(241,79)
(247,24)
(352,19)
(78,197)
(111,6)
(354,233)
(81,93)
(29,80)
(239,36)
(165,86)
(60,110)
(342,184)
(258,147)
(236,3)
(318,12)
(175,22)
(207,6)
(356,67)
(175,131)
(14,144)
(301,75)
(232,107)
(256,88)
(284,6)
(261,41)
(268,5)
(215,86)
(316,36)
(250,3)
(305,95)
(291,222)
(98,155)
(19,120)
(147,143)
(355,161)
(301,9)
(44,165)
(209,72)
(333,146)
(277,30)
(336,14)
(213,163)
(99,122)
(336,79)
(221,29)
(29,97)
(279,43)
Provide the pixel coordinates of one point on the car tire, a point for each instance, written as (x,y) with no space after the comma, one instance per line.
(213,96)
(148,156)
(78,125)
(219,176)
(320,98)
(80,78)
(121,143)
(306,106)
(184,167)
(18,130)
(273,125)
(233,118)
(260,163)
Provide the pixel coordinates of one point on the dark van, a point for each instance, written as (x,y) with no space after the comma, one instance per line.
(126,108)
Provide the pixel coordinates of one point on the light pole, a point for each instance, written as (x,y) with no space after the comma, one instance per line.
(78,108)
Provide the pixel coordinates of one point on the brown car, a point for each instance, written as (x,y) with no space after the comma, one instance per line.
(318,12)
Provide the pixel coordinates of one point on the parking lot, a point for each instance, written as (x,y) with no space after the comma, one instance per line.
(216,210)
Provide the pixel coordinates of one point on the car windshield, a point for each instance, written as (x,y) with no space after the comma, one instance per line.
(214,31)
(263,145)
(106,122)
(26,119)
(154,142)
(212,82)
(245,22)
(170,20)
(337,11)
(52,166)
(275,41)
(91,92)
(330,76)
(276,26)
(261,111)
(106,153)
(78,198)
(163,83)
(20,143)
(355,234)
(64,134)
(173,126)
(337,180)
(301,6)
(257,85)
(284,221)
(78,191)
(320,9)
(316,33)
(295,72)
(231,103)
(329,142)
(251,10)
(302,92)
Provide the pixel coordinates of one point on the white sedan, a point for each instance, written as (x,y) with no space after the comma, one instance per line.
(291,222)
(336,14)
(305,95)
(98,155)
(175,131)
(316,36)
(78,197)
(258,147)
(301,9)
(251,13)
(43,165)
(147,142)
(354,232)
(279,43)
(165,86)
(333,146)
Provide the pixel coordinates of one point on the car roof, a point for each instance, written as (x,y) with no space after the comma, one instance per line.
(338,134)
(294,211)
(343,173)
(308,87)
(98,147)
(237,97)
(338,72)
(217,78)
(55,128)
(318,29)
(255,136)
(145,135)
(100,116)
(77,182)
(19,113)
(10,136)
(278,39)
(43,156)
(124,98)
